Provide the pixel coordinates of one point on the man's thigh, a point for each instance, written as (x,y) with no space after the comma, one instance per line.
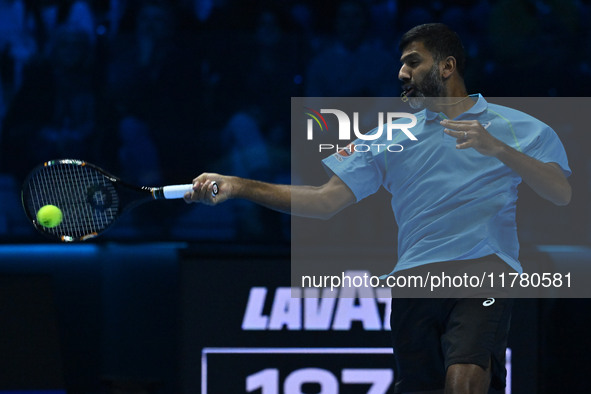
(429,335)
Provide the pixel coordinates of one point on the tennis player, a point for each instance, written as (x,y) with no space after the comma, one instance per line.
(454,203)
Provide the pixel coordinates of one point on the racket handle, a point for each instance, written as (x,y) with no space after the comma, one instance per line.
(178,191)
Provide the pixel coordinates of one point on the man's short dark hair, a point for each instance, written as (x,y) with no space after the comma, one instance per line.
(439,40)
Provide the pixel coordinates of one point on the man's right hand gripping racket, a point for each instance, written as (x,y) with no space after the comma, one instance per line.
(89,198)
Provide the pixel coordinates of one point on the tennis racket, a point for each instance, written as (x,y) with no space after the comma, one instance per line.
(90,198)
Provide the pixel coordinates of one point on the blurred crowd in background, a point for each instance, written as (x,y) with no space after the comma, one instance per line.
(158,91)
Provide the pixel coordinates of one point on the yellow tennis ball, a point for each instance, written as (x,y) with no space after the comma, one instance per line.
(49,216)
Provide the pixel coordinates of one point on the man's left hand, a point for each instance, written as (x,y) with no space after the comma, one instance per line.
(471,134)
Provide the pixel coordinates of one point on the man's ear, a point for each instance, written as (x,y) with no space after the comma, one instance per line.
(448,67)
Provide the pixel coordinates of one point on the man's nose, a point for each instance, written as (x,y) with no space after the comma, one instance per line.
(404,74)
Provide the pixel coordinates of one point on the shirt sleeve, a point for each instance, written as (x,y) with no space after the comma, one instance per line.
(547,148)
(357,169)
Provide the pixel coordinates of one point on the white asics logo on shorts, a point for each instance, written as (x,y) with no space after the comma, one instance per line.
(488,302)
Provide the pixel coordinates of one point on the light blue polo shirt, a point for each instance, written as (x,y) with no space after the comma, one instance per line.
(451,204)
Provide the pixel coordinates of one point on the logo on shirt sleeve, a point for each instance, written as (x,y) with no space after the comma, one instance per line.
(345,152)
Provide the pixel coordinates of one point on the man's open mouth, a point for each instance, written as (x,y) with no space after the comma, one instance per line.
(408,91)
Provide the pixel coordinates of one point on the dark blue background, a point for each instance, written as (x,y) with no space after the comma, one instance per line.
(159,91)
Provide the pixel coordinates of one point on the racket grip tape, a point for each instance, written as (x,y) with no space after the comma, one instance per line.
(178,191)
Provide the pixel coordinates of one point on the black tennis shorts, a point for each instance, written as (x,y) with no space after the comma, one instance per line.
(430,334)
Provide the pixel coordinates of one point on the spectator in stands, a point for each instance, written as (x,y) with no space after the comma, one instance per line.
(352,64)
(54,114)
(153,82)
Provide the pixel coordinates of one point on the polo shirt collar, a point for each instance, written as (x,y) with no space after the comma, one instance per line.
(479,107)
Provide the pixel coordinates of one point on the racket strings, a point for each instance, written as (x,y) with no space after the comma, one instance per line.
(87,198)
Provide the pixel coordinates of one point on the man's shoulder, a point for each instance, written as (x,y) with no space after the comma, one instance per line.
(511,114)
(518,126)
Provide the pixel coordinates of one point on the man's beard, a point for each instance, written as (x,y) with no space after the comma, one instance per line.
(429,89)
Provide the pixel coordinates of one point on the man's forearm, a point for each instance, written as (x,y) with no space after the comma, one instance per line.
(546,179)
(308,201)
(272,196)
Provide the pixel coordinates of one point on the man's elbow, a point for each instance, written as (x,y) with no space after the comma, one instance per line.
(564,197)
(328,211)
(330,206)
